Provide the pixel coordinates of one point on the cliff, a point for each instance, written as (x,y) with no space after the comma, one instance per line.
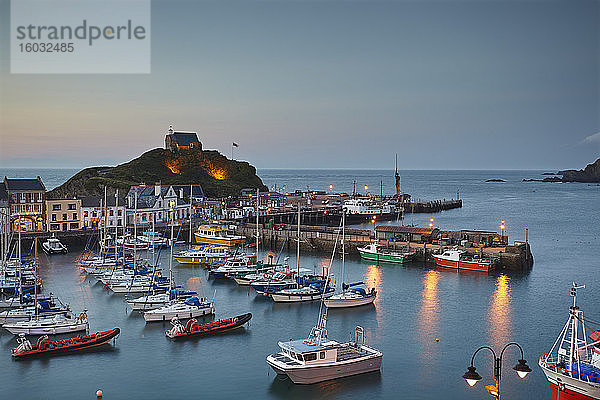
(218,175)
(590,174)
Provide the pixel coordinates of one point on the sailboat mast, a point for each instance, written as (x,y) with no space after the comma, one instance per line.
(190,215)
(298,251)
(19,247)
(105,220)
(117,222)
(20,263)
(257,208)
(35,267)
(171,257)
(343,249)
(135,230)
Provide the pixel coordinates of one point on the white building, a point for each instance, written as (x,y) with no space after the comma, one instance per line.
(158,201)
(92,212)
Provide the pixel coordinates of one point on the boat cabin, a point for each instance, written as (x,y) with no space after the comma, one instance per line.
(306,352)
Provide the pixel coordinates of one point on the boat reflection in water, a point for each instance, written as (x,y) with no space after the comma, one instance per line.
(338,388)
(428,319)
(499,321)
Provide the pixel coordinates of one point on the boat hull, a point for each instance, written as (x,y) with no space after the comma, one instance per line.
(215,327)
(320,373)
(296,298)
(343,303)
(468,265)
(384,257)
(219,241)
(47,330)
(188,314)
(564,387)
(96,340)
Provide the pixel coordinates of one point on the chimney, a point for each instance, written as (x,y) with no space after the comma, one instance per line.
(157,189)
(181,193)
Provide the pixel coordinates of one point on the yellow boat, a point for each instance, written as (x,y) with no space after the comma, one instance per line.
(219,235)
(203,255)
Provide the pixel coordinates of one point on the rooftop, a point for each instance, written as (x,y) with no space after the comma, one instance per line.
(405,229)
(184,138)
(24,184)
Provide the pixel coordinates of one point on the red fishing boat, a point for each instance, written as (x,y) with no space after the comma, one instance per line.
(572,366)
(460,260)
(194,329)
(46,347)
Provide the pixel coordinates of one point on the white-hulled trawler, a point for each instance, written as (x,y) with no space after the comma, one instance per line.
(317,359)
(572,366)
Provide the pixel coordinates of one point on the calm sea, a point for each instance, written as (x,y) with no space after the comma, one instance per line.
(416,305)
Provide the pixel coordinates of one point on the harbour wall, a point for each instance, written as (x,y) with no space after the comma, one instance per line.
(320,240)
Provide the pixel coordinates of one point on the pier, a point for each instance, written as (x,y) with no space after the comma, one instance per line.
(321,239)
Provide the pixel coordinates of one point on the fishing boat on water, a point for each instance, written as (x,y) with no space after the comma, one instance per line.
(376,252)
(317,358)
(194,329)
(54,246)
(46,347)
(219,235)
(459,259)
(572,366)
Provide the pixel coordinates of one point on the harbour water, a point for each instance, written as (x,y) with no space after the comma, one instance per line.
(417,304)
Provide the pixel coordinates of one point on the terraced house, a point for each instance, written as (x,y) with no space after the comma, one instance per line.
(63,214)
(160,203)
(26,202)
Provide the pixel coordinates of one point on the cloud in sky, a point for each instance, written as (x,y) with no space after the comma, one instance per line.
(595,138)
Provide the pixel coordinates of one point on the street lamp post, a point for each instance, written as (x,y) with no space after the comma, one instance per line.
(431,222)
(502,228)
(471,376)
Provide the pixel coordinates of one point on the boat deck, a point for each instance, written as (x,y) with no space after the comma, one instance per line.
(349,352)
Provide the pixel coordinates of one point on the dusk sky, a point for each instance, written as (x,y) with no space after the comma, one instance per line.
(332,84)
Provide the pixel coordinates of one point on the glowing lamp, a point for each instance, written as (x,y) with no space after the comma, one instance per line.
(366,187)
(522,369)
(471,376)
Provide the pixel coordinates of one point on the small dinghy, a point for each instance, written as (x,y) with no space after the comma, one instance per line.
(193,329)
(45,347)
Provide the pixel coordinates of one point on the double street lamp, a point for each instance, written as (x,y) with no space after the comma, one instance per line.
(472,377)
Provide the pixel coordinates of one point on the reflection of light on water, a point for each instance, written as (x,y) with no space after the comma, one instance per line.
(429,316)
(499,312)
(193,284)
(373,279)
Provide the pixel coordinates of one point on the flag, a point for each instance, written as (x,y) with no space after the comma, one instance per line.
(234,144)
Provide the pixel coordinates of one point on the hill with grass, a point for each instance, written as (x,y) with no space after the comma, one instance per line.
(218,175)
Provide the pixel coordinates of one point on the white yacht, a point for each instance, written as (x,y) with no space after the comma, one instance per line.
(153,301)
(181,309)
(317,359)
(49,325)
(54,246)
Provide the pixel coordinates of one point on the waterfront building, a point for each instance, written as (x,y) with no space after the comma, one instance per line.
(92,212)
(63,215)
(26,200)
(4,211)
(406,233)
(155,203)
(181,140)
